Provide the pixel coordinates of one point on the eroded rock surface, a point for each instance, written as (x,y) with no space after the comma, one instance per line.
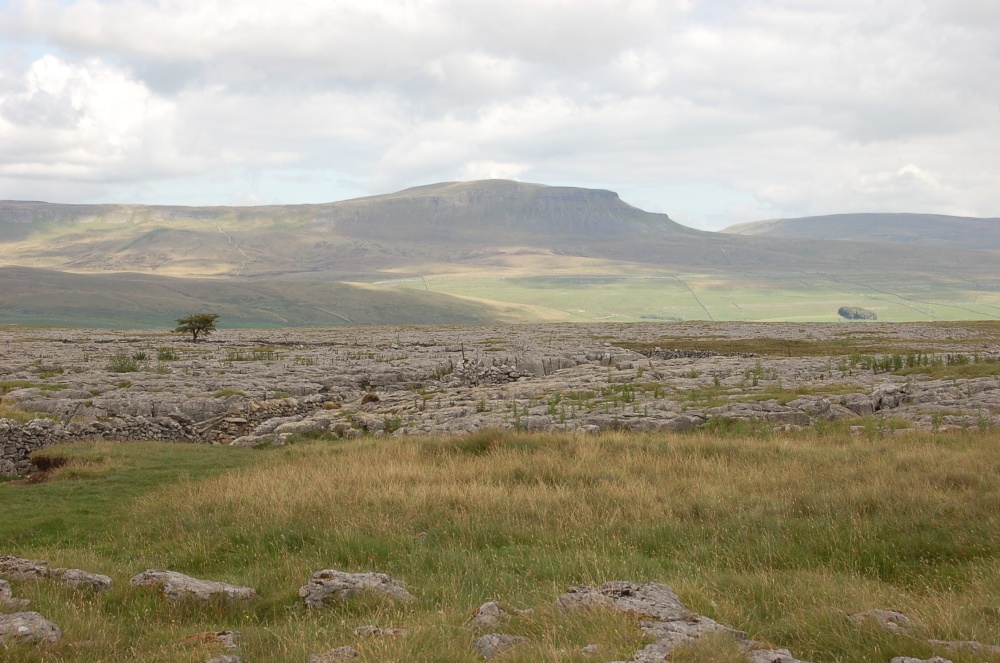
(177,587)
(331,584)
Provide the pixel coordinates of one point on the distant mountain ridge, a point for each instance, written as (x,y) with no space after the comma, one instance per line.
(958,232)
(476,252)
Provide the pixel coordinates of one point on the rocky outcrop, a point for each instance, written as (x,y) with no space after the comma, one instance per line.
(330,584)
(17,568)
(28,627)
(177,587)
(448,381)
(663,616)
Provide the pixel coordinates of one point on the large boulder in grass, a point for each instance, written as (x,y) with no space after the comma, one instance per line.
(337,585)
(28,627)
(177,587)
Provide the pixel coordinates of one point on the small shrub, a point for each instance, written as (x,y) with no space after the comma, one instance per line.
(166,354)
(120,362)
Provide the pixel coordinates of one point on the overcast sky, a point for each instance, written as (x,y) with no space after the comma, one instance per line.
(713,112)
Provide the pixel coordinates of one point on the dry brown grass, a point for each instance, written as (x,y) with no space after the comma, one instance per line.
(782,537)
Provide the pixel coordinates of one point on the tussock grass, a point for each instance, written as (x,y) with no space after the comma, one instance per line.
(780,536)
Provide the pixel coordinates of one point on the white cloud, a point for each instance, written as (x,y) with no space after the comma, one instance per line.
(783,107)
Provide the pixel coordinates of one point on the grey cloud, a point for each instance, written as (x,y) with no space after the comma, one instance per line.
(801,106)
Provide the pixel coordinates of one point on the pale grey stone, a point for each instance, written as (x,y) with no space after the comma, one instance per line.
(338,585)
(178,587)
(494,643)
(28,627)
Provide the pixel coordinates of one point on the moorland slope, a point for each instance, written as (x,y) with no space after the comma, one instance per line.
(522,251)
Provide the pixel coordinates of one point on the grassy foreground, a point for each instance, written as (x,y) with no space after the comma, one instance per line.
(780,536)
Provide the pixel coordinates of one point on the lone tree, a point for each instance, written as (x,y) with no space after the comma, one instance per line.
(199,323)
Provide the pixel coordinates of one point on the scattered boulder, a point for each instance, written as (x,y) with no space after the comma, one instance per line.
(84,580)
(487,615)
(650,600)
(17,568)
(226,658)
(888,619)
(28,627)
(494,643)
(664,616)
(591,650)
(178,587)
(337,585)
(334,655)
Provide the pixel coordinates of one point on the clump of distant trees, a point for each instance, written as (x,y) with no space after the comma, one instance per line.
(856,313)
